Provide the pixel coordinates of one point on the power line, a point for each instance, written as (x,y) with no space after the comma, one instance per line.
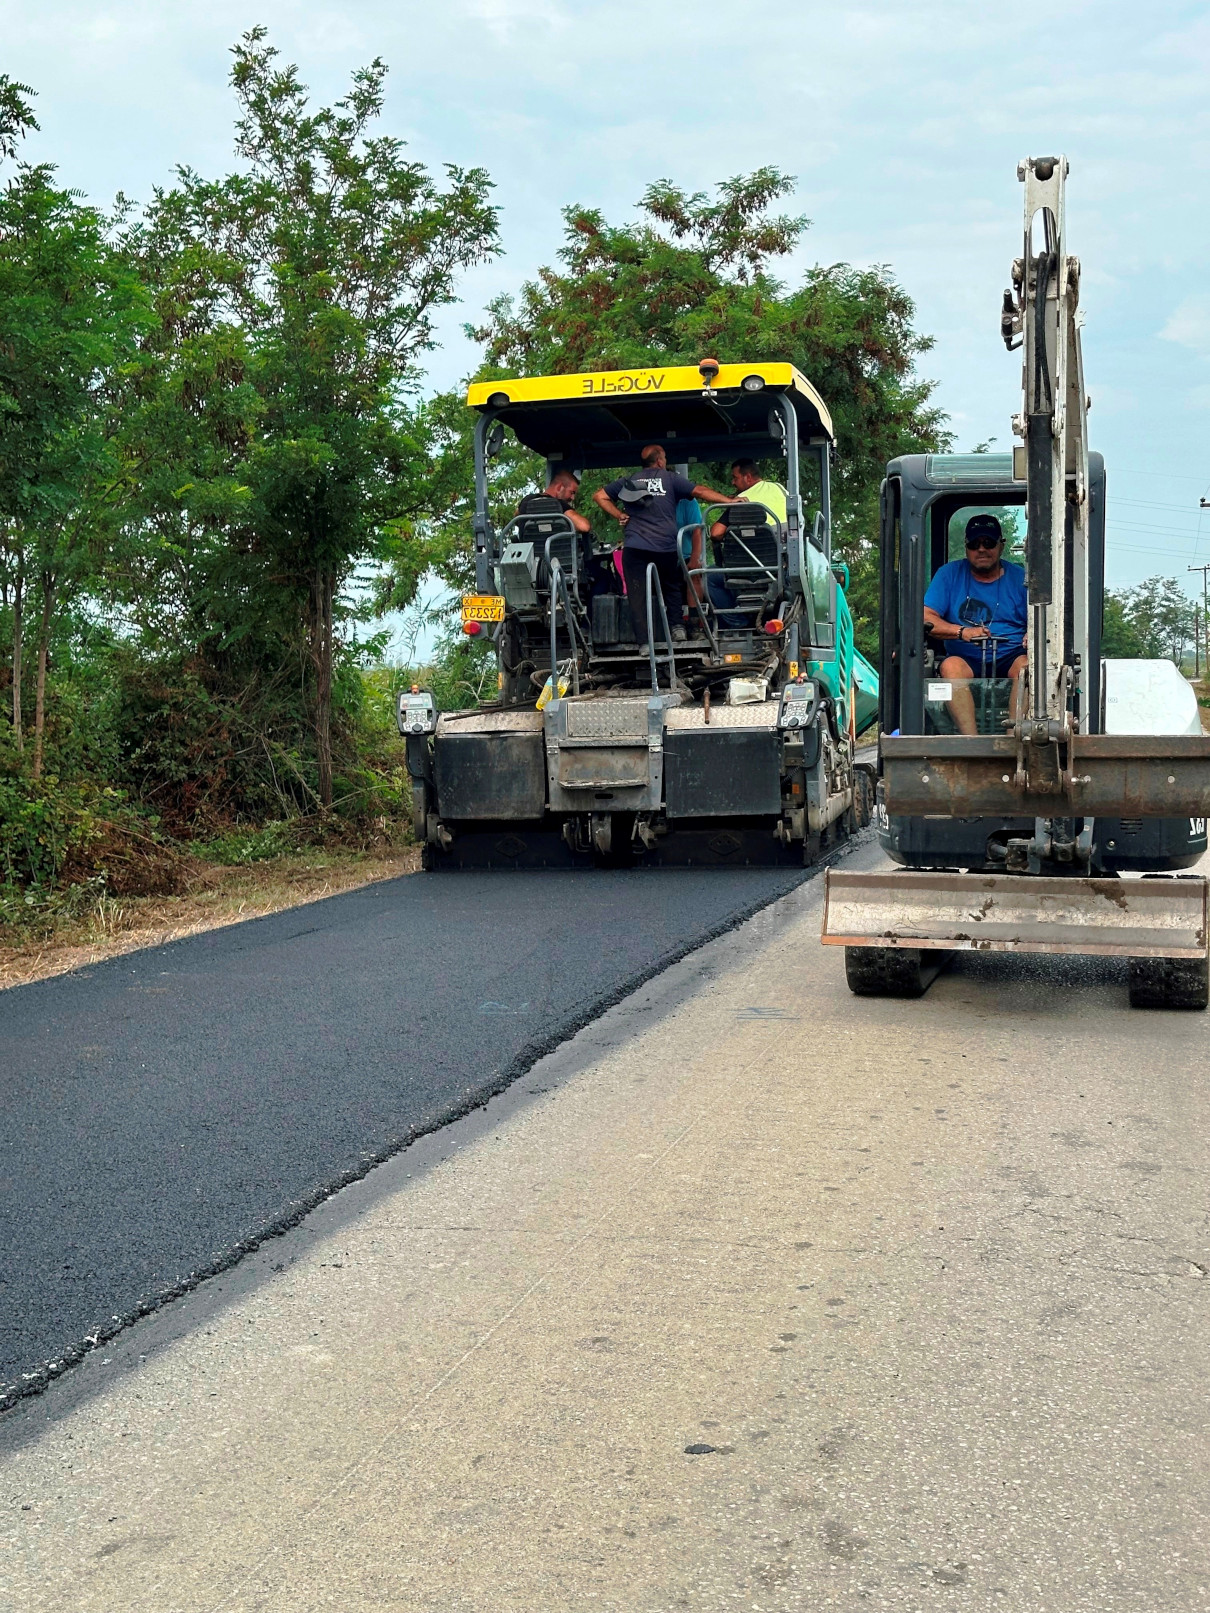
(1148,504)
(1158,551)
(1145,526)
(1162,557)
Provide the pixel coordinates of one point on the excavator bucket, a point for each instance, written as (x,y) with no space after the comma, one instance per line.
(1136,918)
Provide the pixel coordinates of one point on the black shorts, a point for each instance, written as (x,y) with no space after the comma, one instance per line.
(997,667)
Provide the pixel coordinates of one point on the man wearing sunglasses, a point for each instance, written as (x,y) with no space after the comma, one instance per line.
(978,606)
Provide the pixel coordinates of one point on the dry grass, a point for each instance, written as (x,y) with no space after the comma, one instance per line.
(212,897)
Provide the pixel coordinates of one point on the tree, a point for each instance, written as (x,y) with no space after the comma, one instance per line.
(335,252)
(70,315)
(1120,638)
(16,115)
(693,276)
(444,426)
(1160,616)
(191,576)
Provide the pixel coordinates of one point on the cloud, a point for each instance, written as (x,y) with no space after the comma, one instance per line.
(1189,324)
(1108,399)
(567,101)
(506,18)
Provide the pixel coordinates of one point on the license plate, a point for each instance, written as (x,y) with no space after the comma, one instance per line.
(482,607)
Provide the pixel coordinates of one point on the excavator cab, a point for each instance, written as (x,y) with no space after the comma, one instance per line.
(653,746)
(926,501)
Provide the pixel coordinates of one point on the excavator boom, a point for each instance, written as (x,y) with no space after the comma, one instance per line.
(1048,770)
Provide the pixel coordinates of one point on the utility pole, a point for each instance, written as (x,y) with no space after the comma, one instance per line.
(1197,671)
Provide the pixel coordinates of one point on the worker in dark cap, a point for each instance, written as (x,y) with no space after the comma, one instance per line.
(978,606)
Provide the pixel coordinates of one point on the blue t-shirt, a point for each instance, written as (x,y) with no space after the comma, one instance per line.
(652,526)
(688,514)
(1000,606)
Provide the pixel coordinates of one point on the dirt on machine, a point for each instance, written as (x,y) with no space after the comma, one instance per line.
(726,737)
(1055,809)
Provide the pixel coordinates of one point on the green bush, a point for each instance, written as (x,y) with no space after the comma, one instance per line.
(67,846)
(40,909)
(46,825)
(240,846)
(149,760)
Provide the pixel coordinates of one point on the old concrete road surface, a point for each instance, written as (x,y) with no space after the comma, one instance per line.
(753,1296)
(165,1110)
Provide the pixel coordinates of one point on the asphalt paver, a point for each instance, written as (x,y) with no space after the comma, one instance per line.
(168,1109)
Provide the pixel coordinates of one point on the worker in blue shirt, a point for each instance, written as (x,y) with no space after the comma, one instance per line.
(979,605)
(689,525)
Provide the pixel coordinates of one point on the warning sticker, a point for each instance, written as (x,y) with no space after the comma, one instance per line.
(940,691)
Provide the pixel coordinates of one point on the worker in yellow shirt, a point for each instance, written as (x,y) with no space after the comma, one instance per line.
(752,489)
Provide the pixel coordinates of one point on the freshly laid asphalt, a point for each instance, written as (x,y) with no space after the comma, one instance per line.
(167,1110)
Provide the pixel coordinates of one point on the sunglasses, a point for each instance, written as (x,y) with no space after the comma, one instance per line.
(985,542)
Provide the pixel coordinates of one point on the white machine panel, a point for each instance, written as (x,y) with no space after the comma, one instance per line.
(1149,697)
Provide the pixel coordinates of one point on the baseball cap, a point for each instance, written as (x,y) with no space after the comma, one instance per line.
(984,526)
(635,491)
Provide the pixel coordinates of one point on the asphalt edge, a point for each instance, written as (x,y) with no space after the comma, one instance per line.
(36,1383)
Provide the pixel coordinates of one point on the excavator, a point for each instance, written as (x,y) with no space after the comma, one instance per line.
(1023,836)
(724,739)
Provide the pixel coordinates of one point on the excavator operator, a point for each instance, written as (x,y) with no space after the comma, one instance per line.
(980,604)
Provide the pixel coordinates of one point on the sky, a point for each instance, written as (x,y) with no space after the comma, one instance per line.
(902,124)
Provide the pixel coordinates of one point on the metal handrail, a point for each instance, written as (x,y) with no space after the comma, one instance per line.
(758,567)
(514,524)
(653,578)
(532,515)
(558,586)
(575,558)
(692,596)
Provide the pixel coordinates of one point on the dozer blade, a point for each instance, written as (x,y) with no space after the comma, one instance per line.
(1137,918)
(1108,776)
